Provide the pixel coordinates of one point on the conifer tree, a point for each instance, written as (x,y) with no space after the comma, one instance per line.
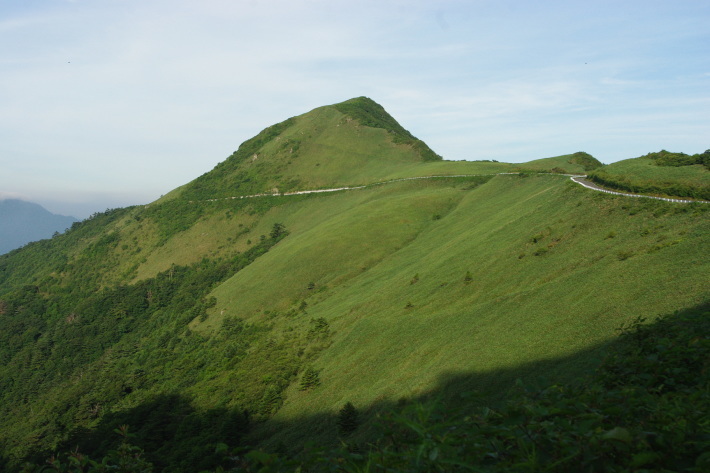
(348,419)
(310,379)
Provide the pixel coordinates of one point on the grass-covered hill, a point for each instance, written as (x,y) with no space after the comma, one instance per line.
(342,144)
(203,319)
(575,163)
(662,173)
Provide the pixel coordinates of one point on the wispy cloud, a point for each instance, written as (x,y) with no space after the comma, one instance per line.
(134,98)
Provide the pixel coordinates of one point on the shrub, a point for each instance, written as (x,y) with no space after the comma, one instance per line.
(541,251)
(624,255)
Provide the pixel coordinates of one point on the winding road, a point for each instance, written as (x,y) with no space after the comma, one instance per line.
(577,178)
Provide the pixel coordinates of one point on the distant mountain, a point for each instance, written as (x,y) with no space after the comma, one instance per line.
(22,222)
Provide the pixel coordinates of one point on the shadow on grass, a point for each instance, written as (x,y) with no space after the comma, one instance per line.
(177,437)
(459,391)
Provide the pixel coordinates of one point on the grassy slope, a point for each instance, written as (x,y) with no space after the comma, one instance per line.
(325,147)
(644,168)
(331,149)
(368,246)
(533,245)
(665,180)
(215,232)
(575,163)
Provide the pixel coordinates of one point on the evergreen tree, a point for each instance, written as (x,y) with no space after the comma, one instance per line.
(270,401)
(348,419)
(310,379)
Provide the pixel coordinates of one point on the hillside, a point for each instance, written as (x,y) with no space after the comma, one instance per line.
(330,146)
(575,163)
(205,317)
(662,173)
(22,222)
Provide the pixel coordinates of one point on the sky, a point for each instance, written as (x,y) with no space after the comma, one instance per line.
(109,103)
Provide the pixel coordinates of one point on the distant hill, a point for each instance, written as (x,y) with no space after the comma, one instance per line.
(22,222)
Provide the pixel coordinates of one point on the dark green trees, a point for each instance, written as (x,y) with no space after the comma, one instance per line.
(277,230)
(310,379)
(348,419)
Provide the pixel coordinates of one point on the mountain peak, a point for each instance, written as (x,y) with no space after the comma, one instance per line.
(349,143)
(369,113)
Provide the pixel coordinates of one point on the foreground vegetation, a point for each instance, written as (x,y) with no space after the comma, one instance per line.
(647,408)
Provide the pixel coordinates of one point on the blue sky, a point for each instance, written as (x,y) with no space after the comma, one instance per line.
(109,103)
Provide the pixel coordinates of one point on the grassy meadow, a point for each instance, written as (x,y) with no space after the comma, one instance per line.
(196,318)
(391,279)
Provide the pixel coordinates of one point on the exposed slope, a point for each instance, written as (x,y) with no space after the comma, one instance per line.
(554,269)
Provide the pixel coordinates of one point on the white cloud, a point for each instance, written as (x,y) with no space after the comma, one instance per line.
(140,97)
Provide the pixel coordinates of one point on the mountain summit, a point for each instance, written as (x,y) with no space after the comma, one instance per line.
(349,143)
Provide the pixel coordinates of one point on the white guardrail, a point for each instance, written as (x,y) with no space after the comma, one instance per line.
(574,177)
(578,180)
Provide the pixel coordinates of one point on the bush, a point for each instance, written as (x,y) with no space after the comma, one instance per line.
(541,251)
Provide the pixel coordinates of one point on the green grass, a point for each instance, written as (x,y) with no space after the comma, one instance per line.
(366,249)
(419,281)
(575,163)
(327,147)
(554,268)
(643,175)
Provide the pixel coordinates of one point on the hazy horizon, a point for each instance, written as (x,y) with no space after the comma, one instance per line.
(116,103)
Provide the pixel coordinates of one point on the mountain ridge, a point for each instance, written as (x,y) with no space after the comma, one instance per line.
(202,304)
(23,222)
(341,143)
